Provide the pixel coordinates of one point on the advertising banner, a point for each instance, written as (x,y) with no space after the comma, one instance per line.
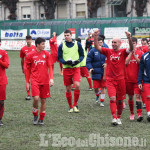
(13,34)
(83,32)
(115,32)
(141,32)
(43,33)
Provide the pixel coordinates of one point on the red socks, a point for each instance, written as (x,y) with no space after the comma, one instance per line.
(69,99)
(1,111)
(148,104)
(76,96)
(113,108)
(89,81)
(119,108)
(131,106)
(35,111)
(42,115)
(143,97)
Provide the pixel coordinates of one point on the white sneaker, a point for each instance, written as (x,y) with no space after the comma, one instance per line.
(114,122)
(102,104)
(119,121)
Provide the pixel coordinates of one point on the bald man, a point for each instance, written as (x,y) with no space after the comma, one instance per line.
(115,74)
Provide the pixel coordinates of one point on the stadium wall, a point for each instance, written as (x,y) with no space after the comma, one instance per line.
(138,26)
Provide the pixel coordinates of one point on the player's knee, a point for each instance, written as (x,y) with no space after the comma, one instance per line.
(77,86)
(36,98)
(112,99)
(137,97)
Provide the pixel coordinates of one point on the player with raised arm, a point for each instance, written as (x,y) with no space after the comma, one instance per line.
(115,74)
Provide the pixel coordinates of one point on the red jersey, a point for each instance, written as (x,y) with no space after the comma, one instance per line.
(54,46)
(115,63)
(38,63)
(143,48)
(132,68)
(25,50)
(3,57)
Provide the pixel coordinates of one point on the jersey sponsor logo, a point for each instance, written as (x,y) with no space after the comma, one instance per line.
(147,58)
(112,57)
(35,56)
(39,62)
(44,56)
(26,50)
(133,61)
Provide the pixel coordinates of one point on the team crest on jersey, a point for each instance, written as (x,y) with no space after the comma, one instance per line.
(43,56)
(0,56)
(137,55)
(32,49)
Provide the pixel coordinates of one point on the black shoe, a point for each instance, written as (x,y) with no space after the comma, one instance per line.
(148,118)
(35,120)
(41,122)
(140,118)
(28,98)
(1,123)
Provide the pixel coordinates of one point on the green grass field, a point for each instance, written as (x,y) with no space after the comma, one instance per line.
(18,132)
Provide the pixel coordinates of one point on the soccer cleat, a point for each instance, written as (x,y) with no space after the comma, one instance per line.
(90,89)
(102,104)
(76,109)
(41,122)
(114,122)
(28,97)
(140,118)
(144,106)
(1,123)
(148,118)
(70,110)
(132,117)
(119,121)
(35,120)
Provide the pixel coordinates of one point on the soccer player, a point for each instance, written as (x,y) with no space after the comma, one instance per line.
(95,64)
(38,70)
(144,46)
(4,63)
(24,51)
(132,69)
(54,51)
(115,74)
(70,54)
(83,70)
(144,76)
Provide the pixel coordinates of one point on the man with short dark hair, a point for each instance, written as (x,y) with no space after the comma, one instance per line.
(39,70)
(132,69)
(24,51)
(70,54)
(4,63)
